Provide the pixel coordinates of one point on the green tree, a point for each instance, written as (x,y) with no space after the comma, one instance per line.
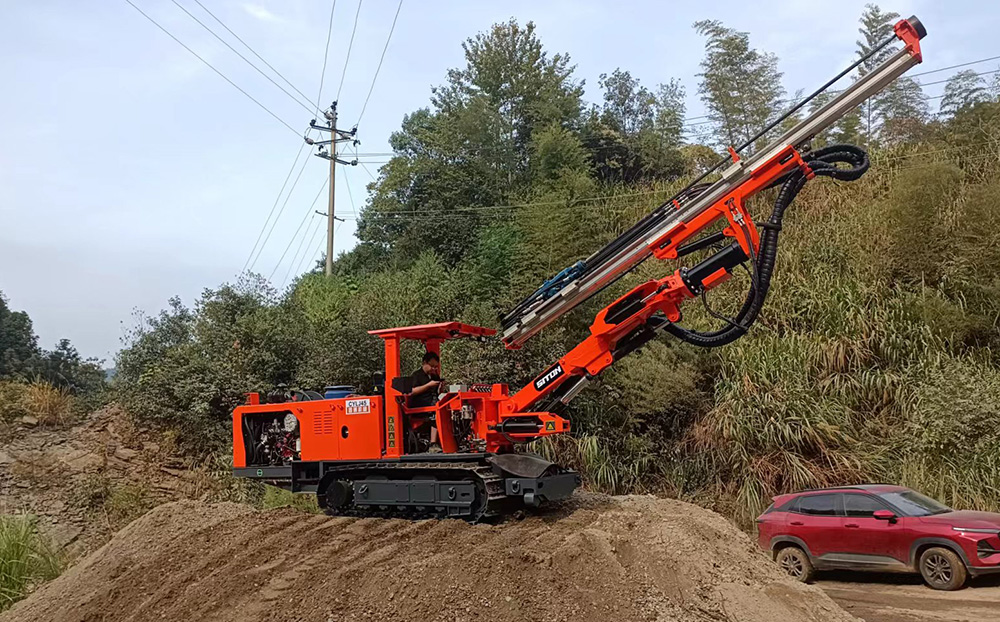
(64,367)
(636,133)
(964,89)
(18,342)
(21,358)
(472,148)
(741,87)
(898,112)
(904,112)
(849,129)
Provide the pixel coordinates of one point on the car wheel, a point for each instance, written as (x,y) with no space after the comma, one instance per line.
(795,563)
(942,569)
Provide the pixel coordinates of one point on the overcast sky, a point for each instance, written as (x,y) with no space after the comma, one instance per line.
(130,172)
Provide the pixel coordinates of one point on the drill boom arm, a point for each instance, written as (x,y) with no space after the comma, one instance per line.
(636,317)
(681,218)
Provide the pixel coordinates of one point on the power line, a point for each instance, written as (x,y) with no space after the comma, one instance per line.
(326,55)
(367,171)
(210,66)
(295,257)
(350,195)
(949,79)
(280,212)
(305,255)
(946,150)
(971,62)
(382,58)
(245,59)
(292,189)
(273,207)
(296,234)
(350,45)
(319,251)
(253,51)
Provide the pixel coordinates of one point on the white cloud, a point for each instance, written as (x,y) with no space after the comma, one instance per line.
(261,13)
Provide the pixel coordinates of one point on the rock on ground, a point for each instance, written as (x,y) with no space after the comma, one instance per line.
(594,559)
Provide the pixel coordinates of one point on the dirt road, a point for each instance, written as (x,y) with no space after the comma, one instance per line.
(899,598)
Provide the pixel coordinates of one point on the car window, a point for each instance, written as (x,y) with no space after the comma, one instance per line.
(818,505)
(788,506)
(862,505)
(912,503)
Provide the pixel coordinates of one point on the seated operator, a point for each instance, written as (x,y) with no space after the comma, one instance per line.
(427,384)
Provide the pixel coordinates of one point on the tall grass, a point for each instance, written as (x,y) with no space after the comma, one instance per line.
(872,361)
(50,405)
(26,559)
(47,404)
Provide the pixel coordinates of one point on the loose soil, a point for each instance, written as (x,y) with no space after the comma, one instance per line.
(595,558)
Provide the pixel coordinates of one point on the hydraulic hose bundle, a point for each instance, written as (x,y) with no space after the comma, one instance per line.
(823,162)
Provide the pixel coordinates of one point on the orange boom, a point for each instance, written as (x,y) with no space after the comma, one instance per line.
(369,454)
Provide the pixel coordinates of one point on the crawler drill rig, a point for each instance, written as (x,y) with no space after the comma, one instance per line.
(367,454)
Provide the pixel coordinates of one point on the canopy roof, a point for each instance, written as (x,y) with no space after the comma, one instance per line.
(442,331)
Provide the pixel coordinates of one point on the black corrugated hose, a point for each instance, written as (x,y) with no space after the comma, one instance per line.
(823,162)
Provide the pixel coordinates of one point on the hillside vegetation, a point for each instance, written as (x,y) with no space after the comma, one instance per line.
(874,359)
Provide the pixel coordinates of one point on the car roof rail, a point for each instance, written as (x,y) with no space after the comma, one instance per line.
(846,487)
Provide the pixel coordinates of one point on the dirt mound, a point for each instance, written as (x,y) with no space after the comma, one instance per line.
(596,558)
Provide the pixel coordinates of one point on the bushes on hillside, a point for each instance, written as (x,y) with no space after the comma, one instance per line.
(187,369)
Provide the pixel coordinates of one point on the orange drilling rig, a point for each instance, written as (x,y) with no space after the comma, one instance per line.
(368,454)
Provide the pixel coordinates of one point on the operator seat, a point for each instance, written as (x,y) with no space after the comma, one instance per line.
(403,384)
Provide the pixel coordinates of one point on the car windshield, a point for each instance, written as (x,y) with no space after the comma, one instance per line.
(912,503)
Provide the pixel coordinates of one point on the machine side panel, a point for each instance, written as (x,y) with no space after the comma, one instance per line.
(360,431)
(319,429)
(341,429)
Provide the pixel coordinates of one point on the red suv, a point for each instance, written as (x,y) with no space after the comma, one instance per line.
(880,528)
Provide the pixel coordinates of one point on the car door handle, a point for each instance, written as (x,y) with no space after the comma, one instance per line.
(796,522)
(851,525)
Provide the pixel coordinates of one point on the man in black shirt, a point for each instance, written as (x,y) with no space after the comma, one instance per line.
(426,386)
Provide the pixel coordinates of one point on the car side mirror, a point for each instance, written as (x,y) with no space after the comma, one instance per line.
(884,515)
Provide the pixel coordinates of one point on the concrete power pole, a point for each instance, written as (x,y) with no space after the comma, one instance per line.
(336,136)
(331,214)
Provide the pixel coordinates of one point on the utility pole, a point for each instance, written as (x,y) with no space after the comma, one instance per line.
(336,136)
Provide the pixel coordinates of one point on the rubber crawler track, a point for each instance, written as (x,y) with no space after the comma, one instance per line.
(488,485)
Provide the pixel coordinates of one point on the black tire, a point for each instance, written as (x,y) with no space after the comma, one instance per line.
(795,563)
(943,569)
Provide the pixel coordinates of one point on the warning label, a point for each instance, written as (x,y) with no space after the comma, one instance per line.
(392,431)
(359,407)
(550,426)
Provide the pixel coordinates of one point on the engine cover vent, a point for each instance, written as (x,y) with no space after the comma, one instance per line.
(323,423)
